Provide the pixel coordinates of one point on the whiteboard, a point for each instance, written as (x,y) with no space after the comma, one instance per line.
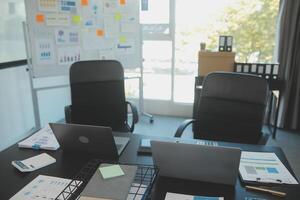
(61,32)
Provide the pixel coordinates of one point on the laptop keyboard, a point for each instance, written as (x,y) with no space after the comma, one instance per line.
(207,143)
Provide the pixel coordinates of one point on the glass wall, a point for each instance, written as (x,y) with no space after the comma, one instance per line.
(12,45)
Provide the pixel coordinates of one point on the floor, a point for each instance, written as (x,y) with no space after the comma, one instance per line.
(166,126)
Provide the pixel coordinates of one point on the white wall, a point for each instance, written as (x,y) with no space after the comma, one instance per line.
(16,108)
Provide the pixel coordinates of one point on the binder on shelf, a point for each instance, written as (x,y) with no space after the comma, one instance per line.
(246,69)
(229,43)
(222,43)
(267,71)
(253,68)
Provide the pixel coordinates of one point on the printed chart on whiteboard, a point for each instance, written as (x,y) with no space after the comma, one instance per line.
(62,32)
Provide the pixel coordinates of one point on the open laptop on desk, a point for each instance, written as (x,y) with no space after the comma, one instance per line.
(197,162)
(96,140)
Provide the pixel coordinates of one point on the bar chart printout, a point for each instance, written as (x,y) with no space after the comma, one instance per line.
(265,168)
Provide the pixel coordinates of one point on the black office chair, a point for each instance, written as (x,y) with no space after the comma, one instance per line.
(98,96)
(231,108)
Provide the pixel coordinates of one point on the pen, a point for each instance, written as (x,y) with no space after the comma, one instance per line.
(277,180)
(273,192)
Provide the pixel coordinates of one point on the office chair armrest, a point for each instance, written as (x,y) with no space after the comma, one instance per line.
(135,115)
(264,139)
(182,126)
(68,112)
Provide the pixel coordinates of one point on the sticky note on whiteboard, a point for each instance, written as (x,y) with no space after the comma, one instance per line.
(76,19)
(84,2)
(122,39)
(40,18)
(100,32)
(118,16)
(122,2)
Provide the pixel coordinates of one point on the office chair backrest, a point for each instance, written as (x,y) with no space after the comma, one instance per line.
(98,94)
(231,107)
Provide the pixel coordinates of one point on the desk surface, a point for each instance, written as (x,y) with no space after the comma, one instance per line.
(11,180)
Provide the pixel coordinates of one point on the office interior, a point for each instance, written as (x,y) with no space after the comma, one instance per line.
(172,33)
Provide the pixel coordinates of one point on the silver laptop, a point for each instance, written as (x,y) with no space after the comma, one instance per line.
(196,162)
(75,137)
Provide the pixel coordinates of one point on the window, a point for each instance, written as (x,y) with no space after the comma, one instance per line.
(12,45)
(157,69)
(251,23)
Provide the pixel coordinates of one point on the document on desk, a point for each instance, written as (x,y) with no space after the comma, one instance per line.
(42,188)
(43,139)
(176,196)
(265,168)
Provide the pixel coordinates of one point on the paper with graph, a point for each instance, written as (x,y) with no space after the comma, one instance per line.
(265,168)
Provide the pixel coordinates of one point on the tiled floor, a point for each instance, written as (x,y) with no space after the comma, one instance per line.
(166,126)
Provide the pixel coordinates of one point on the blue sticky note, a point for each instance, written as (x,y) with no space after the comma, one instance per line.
(272,170)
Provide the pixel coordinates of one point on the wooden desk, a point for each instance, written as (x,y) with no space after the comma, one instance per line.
(11,180)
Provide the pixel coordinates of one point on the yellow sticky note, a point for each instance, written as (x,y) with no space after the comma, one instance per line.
(39,18)
(122,39)
(122,2)
(118,16)
(100,32)
(84,2)
(76,19)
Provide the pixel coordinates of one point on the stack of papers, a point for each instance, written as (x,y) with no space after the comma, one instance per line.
(264,168)
(175,196)
(43,187)
(43,139)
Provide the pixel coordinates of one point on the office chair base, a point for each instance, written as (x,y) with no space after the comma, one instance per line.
(151,119)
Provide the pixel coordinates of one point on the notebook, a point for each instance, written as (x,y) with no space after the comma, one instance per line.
(113,188)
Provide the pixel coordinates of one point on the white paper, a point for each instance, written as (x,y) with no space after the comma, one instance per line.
(42,188)
(57,20)
(264,167)
(68,55)
(66,36)
(45,52)
(128,27)
(127,47)
(47,5)
(43,139)
(111,26)
(176,196)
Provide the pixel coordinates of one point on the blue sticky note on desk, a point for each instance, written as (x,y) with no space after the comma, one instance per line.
(111,171)
(272,170)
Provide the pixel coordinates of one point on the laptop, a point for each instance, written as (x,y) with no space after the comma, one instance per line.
(213,164)
(95,140)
